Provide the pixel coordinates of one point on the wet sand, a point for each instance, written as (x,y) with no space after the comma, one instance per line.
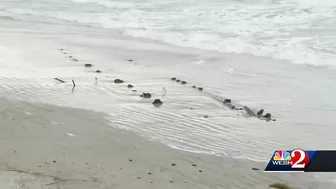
(50,147)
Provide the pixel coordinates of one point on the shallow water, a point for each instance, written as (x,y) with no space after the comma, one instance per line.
(300,97)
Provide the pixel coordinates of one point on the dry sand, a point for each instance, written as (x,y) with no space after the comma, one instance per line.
(49,147)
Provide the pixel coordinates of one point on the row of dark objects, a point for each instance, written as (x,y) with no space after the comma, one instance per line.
(267,116)
(227,102)
(156,102)
(76,60)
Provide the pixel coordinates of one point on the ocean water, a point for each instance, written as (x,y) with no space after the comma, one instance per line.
(300,31)
(270,54)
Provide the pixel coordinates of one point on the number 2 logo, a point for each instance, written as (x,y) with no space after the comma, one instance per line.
(300,158)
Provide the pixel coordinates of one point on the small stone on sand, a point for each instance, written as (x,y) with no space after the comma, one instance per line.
(130,86)
(118,81)
(157,103)
(173,164)
(183,82)
(200,88)
(255,169)
(88,65)
(173,78)
(146,95)
(194,165)
(268,115)
(98,71)
(227,101)
(178,81)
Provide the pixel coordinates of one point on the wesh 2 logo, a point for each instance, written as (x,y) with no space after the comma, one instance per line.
(288,160)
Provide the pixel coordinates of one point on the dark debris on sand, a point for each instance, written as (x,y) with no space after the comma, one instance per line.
(130,86)
(280,186)
(260,112)
(200,88)
(98,71)
(88,65)
(227,101)
(268,115)
(146,95)
(157,103)
(178,81)
(183,82)
(173,78)
(118,81)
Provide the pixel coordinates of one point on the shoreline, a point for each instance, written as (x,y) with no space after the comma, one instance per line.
(116,34)
(28,75)
(72,149)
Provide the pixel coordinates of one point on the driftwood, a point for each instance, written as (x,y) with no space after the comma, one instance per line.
(59,80)
(74,85)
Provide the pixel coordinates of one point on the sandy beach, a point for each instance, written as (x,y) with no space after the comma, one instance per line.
(44,146)
(107,132)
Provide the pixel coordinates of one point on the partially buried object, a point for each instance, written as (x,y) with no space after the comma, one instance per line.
(183,82)
(193,86)
(226,101)
(260,112)
(146,95)
(88,65)
(268,115)
(118,81)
